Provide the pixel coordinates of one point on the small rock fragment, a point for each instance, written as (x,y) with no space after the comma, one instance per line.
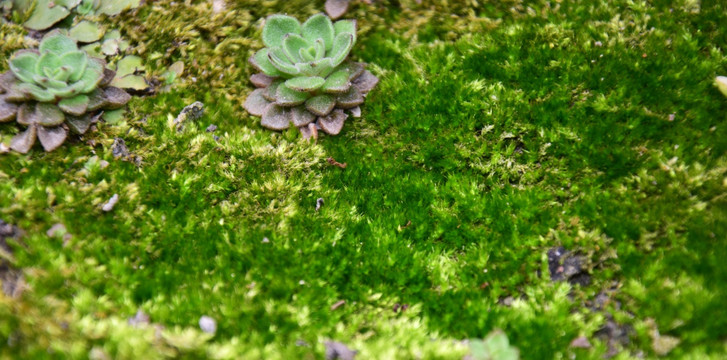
(109,205)
(337,350)
(139,319)
(266,240)
(211,128)
(338,304)
(189,113)
(119,149)
(580,342)
(208,324)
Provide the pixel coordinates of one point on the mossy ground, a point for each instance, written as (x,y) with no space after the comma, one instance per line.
(499,130)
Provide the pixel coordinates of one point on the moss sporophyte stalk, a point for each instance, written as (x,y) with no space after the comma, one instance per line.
(306,79)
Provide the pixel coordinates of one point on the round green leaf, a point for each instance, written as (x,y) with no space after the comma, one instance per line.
(261,61)
(337,83)
(305,83)
(292,45)
(58,43)
(86,32)
(76,105)
(281,62)
(23,65)
(48,114)
(317,27)
(286,96)
(321,105)
(276,26)
(45,15)
(341,47)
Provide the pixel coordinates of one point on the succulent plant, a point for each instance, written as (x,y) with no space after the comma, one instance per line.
(305,77)
(54,89)
(46,13)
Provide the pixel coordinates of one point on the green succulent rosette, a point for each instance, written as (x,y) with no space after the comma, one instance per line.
(305,79)
(53,90)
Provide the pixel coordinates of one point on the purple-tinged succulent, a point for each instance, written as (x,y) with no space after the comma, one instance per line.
(54,89)
(306,79)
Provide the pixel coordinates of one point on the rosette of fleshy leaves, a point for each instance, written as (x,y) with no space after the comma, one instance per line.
(306,80)
(43,14)
(53,90)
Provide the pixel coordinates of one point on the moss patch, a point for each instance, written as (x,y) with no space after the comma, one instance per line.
(499,131)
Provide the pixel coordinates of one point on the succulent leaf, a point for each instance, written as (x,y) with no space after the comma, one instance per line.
(281,62)
(48,60)
(255,103)
(276,117)
(96,100)
(48,115)
(293,44)
(272,90)
(261,61)
(129,65)
(322,68)
(321,105)
(350,99)
(336,8)
(23,65)
(261,80)
(333,122)
(92,76)
(75,106)
(49,82)
(301,117)
(134,82)
(366,82)
(345,27)
(57,43)
(276,27)
(35,91)
(8,111)
(115,97)
(320,48)
(342,45)
(77,62)
(23,141)
(26,115)
(79,125)
(287,97)
(307,55)
(86,32)
(52,137)
(317,27)
(307,84)
(354,69)
(45,15)
(337,83)
(115,7)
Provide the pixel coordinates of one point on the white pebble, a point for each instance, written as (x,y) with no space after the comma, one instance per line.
(207,324)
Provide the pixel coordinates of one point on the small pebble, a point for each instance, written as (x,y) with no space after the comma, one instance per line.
(109,205)
(266,240)
(211,128)
(208,324)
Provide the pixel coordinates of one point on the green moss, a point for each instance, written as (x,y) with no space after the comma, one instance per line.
(485,144)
